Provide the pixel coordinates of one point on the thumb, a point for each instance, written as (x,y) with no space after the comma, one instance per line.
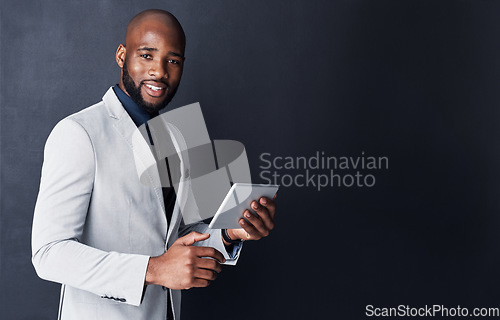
(191,238)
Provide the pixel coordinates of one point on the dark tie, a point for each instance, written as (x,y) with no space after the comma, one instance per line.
(169,197)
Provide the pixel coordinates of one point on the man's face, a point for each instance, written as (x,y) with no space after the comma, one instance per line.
(152,64)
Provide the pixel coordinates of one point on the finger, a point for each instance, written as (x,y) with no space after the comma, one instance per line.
(269,204)
(256,221)
(205,274)
(264,215)
(210,252)
(251,231)
(192,237)
(210,264)
(200,283)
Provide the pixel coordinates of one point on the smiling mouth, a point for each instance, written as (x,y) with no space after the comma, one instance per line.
(154,88)
(154,91)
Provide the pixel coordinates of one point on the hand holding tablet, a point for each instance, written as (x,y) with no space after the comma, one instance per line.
(237,200)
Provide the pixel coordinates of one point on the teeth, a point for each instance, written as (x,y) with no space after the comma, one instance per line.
(153,87)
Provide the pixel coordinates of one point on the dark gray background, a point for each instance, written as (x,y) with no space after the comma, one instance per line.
(416,81)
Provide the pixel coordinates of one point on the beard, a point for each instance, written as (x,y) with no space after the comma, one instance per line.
(136,95)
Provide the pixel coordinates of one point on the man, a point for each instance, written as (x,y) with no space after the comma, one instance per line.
(101,232)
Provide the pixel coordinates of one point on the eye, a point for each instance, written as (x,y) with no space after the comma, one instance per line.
(173,61)
(146,56)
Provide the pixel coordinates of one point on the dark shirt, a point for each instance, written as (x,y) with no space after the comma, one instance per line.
(138,114)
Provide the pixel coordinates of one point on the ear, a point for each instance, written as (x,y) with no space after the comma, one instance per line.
(121,53)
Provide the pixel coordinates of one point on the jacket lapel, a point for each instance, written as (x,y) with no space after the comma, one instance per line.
(143,154)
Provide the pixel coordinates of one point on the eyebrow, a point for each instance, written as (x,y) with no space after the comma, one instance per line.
(175,54)
(147,49)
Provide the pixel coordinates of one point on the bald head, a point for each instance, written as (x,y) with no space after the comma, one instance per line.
(150,18)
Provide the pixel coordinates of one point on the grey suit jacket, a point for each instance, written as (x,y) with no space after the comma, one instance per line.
(96,225)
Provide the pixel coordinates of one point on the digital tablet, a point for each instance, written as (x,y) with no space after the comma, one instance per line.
(237,200)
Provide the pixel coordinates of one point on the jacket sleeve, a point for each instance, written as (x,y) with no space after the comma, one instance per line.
(60,213)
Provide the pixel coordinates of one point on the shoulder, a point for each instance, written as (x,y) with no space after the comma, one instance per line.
(79,123)
(100,114)
(80,126)
(95,119)
(93,125)
(68,146)
(90,117)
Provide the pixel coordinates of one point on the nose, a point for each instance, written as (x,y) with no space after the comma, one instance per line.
(158,70)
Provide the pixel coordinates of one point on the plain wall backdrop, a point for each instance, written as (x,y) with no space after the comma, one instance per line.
(414,81)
